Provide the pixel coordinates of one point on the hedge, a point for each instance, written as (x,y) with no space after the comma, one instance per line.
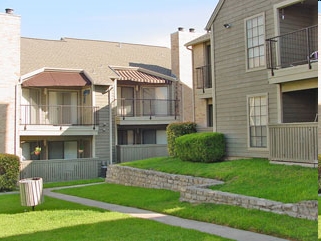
(201,147)
(175,130)
(9,172)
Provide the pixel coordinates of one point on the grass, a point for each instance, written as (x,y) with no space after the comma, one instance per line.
(252,177)
(319,223)
(167,202)
(61,220)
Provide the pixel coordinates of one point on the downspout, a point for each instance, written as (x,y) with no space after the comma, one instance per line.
(193,91)
(15,120)
(110,127)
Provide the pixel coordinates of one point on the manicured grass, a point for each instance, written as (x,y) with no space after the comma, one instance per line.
(72,183)
(319,223)
(60,220)
(165,201)
(252,177)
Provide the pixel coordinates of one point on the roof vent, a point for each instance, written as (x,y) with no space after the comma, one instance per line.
(9,10)
(181,29)
(192,30)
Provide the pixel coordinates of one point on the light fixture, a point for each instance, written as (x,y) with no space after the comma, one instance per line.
(227,25)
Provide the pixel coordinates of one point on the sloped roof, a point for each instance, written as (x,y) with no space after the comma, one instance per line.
(204,38)
(214,14)
(92,56)
(48,78)
(141,75)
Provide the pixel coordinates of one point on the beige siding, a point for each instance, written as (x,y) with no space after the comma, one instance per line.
(102,140)
(233,82)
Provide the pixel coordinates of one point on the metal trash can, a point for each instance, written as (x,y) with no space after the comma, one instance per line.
(31,192)
(103,169)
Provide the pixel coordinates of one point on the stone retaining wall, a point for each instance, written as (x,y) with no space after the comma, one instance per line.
(195,190)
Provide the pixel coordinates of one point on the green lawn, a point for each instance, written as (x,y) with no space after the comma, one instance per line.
(60,220)
(252,177)
(167,202)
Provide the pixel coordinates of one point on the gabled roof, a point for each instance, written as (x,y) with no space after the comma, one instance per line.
(214,14)
(92,56)
(141,75)
(55,77)
(204,38)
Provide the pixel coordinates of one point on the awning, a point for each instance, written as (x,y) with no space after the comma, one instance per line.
(138,76)
(53,78)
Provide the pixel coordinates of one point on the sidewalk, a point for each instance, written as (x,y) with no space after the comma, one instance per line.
(214,229)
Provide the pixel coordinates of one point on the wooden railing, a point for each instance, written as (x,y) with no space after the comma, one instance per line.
(61,170)
(294,142)
(126,153)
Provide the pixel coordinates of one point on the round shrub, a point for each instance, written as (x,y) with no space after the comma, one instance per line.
(9,172)
(200,147)
(175,130)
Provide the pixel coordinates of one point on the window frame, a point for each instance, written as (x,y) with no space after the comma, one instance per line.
(260,67)
(257,148)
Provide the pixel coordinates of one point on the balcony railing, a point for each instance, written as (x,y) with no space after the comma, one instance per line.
(294,142)
(58,115)
(204,77)
(147,107)
(292,49)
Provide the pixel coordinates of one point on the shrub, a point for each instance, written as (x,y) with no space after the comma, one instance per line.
(9,171)
(175,130)
(201,147)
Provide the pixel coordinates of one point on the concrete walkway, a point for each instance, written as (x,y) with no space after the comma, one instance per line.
(214,229)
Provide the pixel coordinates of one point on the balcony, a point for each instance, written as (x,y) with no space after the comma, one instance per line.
(294,49)
(58,120)
(139,111)
(203,78)
(294,142)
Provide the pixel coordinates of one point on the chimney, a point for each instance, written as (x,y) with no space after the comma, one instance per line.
(9,11)
(181,29)
(192,30)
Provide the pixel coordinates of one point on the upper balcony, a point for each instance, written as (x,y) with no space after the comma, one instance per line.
(293,56)
(42,120)
(146,111)
(203,80)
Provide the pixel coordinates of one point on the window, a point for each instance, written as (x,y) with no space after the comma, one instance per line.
(255,36)
(149,136)
(258,118)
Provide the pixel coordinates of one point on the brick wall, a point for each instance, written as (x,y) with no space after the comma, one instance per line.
(9,76)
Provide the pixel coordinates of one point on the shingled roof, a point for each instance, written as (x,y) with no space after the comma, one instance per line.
(92,56)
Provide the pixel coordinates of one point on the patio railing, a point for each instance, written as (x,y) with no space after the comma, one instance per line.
(58,115)
(147,107)
(204,77)
(294,142)
(292,49)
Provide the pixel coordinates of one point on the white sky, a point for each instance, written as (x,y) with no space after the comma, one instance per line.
(139,21)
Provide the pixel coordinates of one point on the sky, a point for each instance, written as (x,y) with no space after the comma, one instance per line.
(131,21)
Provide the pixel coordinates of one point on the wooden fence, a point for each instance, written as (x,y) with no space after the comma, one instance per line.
(126,153)
(62,170)
(294,142)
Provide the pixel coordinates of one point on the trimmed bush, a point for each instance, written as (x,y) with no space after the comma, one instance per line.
(175,130)
(9,172)
(201,147)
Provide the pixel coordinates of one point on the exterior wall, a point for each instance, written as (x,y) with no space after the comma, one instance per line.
(200,103)
(105,136)
(9,76)
(232,80)
(319,86)
(182,68)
